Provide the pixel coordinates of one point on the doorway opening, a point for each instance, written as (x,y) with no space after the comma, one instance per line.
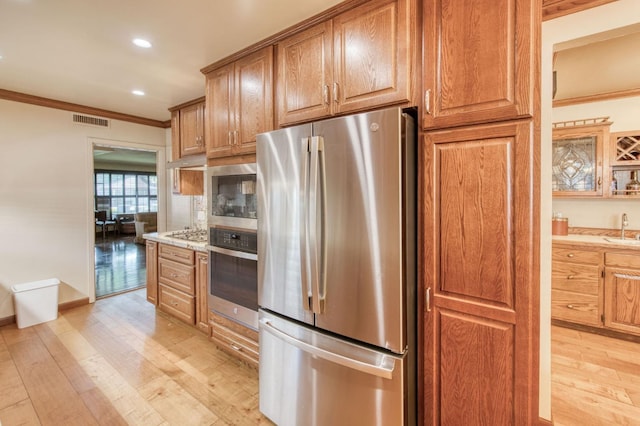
(125,200)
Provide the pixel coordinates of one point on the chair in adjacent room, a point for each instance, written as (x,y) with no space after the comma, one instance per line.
(104,224)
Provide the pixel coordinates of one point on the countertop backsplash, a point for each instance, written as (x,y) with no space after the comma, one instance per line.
(594,213)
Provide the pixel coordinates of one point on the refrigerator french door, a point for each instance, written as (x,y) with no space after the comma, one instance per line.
(336,270)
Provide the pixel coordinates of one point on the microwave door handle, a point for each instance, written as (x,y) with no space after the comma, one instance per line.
(304,240)
(316,222)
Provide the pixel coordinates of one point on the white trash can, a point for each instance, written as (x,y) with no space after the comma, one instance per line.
(36,302)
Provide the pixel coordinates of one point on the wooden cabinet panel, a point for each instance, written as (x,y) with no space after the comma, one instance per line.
(235,339)
(488,348)
(576,255)
(475,224)
(622,300)
(177,304)
(478,290)
(239,104)
(181,277)
(177,254)
(372,55)
(220,119)
(577,292)
(192,130)
(152,271)
(575,307)
(359,60)
(254,99)
(478,61)
(624,260)
(574,277)
(175,134)
(202,291)
(304,74)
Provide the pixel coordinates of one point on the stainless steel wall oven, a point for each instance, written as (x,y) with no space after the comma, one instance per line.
(233,274)
(232,219)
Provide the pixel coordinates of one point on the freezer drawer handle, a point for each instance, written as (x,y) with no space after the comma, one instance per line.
(385,370)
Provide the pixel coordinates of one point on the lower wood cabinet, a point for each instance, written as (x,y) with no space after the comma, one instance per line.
(596,286)
(152,271)
(177,283)
(177,303)
(622,292)
(235,339)
(576,294)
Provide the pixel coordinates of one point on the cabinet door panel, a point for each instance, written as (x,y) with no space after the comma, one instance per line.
(191,139)
(480,291)
(622,300)
(478,56)
(488,348)
(220,117)
(254,98)
(371,52)
(305,74)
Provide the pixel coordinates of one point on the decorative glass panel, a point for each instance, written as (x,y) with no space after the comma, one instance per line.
(574,164)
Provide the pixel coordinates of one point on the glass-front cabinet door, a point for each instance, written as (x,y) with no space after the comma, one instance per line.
(577,158)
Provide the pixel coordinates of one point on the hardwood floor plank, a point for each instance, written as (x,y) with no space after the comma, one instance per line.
(20,413)
(119,361)
(53,398)
(595,379)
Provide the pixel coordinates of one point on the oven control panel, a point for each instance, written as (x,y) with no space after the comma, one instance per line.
(233,239)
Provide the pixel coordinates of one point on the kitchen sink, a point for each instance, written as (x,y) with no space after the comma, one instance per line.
(629,241)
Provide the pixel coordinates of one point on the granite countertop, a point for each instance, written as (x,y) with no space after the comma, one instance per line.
(630,243)
(165,238)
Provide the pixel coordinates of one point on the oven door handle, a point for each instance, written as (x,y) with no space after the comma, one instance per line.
(233,253)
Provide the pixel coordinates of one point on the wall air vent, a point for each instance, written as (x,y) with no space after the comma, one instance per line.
(88,120)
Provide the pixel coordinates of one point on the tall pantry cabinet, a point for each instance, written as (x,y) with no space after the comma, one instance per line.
(479,175)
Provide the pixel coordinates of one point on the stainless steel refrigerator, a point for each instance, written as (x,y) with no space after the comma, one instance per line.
(336,271)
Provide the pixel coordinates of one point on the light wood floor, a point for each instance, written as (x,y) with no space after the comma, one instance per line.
(595,380)
(119,362)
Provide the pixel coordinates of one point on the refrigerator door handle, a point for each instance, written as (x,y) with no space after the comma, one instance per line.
(304,239)
(384,369)
(316,217)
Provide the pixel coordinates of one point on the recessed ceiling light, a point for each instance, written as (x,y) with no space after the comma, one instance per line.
(138,92)
(142,43)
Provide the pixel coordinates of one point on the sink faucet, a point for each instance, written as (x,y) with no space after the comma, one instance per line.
(625,223)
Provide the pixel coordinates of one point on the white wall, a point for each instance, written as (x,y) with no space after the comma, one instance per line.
(595,20)
(46,204)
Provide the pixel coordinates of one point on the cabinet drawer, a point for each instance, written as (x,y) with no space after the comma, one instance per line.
(177,254)
(577,278)
(181,277)
(235,339)
(575,307)
(589,257)
(177,304)
(624,260)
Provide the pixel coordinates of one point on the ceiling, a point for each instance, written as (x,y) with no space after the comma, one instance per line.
(81,51)
(601,63)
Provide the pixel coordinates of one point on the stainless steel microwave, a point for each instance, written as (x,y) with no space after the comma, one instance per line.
(232,197)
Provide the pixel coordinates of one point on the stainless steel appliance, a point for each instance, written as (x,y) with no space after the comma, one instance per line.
(233,282)
(336,271)
(232,198)
(232,219)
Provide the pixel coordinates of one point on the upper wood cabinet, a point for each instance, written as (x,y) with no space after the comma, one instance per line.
(358,60)
(478,61)
(579,158)
(192,129)
(239,104)
(187,129)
